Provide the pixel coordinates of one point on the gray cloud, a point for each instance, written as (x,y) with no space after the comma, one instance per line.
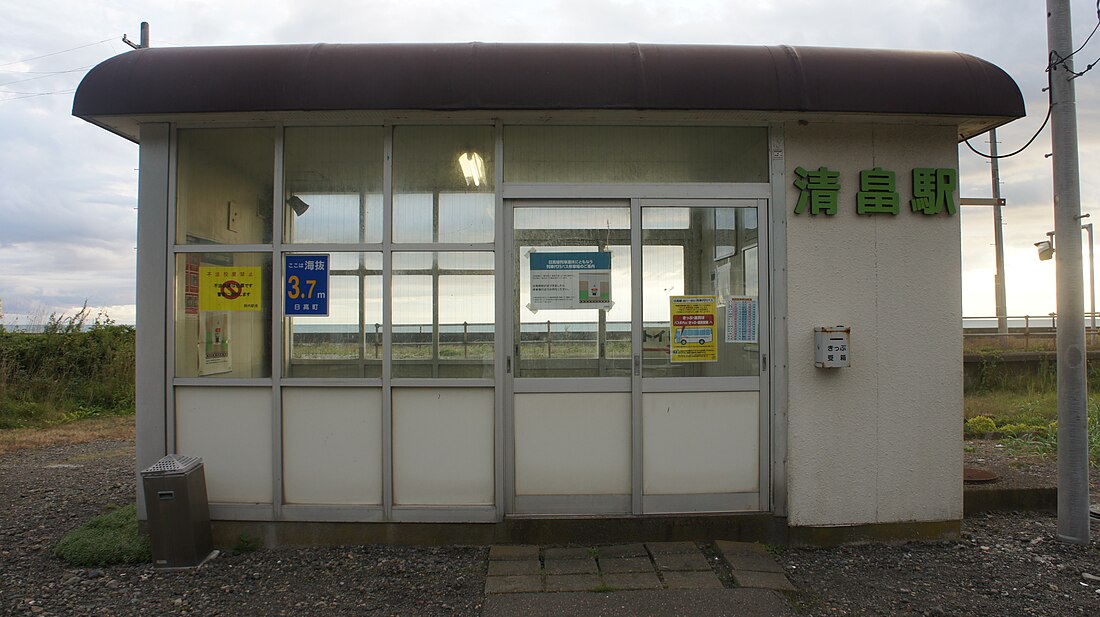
(68,188)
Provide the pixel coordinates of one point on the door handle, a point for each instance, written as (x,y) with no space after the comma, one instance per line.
(637,365)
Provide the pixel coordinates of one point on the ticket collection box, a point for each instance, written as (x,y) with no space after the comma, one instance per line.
(832,347)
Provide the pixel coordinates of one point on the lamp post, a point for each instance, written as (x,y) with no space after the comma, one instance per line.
(1046,251)
(1092,282)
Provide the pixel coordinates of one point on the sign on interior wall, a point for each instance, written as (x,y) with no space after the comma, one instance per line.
(191,285)
(229,288)
(570,280)
(694,336)
(214,354)
(306,285)
(933,191)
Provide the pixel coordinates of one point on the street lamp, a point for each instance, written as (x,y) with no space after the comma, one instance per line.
(1046,251)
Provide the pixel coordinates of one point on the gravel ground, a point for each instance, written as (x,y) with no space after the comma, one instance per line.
(45,493)
(1006,563)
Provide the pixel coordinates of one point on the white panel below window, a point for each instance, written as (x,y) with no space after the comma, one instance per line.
(573,444)
(230,428)
(700,442)
(443,446)
(332,445)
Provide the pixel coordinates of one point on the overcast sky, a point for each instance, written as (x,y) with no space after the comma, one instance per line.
(67,217)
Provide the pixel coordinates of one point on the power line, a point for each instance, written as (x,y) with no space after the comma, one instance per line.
(56,53)
(33,72)
(19,81)
(1021,149)
(30,96)
(1052,64)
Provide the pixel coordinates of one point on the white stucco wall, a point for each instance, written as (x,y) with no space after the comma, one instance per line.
(880,441)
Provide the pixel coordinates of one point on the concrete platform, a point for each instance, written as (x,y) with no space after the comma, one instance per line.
(642,603)
(663,566)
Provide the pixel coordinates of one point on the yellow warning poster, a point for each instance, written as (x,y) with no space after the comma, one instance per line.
(229,288)
(693,328)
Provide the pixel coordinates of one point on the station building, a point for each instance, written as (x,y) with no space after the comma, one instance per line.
(511,285)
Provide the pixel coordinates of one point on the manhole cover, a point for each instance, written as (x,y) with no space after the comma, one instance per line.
(972,475)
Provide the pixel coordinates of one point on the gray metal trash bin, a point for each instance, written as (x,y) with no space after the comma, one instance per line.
(179,517)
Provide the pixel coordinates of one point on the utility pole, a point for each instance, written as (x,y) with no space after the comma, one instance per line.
(1073,462)
(998,237)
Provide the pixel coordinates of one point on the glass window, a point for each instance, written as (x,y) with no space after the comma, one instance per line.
(333,184)
(561,336)
(223,315)
(700,251)
(443,184)
(443,314)
(621,154)
(224,186)
(347,342)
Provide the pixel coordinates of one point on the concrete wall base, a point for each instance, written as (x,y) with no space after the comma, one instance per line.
(577,530)
(981,499)
(874,532)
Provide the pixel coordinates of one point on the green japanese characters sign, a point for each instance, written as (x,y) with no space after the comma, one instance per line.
(933,191)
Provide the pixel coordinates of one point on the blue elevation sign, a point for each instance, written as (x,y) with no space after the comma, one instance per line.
(306,287)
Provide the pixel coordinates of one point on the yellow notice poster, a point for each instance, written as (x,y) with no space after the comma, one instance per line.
(229,288)
(693,328)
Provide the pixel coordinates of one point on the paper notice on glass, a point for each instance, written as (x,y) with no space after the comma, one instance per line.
(571,280)
(694,331)
(722,280)
(741,319)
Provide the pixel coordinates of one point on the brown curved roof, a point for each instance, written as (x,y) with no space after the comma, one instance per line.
(492,76)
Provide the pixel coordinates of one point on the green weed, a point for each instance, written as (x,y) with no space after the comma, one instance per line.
(247,544)
(603,588)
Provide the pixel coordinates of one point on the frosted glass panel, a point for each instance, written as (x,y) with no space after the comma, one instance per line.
(443,178)
(333,184)
(620,154)
(224,186)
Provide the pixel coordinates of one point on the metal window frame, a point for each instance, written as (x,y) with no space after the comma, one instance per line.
(640,196)
(773,274)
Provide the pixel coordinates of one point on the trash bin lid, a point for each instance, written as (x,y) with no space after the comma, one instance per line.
(172,464)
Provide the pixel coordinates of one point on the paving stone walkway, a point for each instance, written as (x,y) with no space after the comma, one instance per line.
(627,567)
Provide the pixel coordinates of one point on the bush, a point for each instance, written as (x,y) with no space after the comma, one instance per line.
(107,539)
(979,425)
(68,371)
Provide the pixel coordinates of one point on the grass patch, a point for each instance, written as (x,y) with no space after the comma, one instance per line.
(106,540)
(1026,422)
(80,431)
(1011,407)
